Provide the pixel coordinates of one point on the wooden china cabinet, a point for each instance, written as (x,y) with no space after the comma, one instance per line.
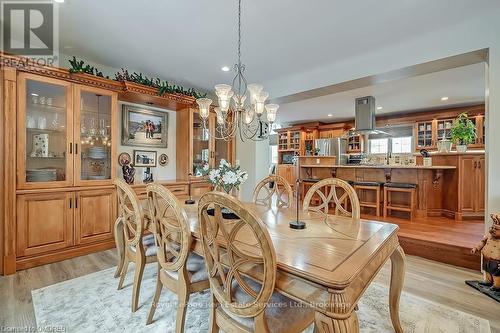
(202,148)
(65,166)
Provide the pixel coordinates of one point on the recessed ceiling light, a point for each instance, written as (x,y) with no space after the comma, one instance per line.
(59,1)
(330,115)
(444,98)
(379,108)
(225,68)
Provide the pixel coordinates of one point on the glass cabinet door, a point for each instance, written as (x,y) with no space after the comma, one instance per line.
(95,138)
(201,146)
(45,132)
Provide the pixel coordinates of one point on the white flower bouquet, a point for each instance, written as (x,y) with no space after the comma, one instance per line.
(227,177)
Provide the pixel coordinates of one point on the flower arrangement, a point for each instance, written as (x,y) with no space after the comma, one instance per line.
(227,177)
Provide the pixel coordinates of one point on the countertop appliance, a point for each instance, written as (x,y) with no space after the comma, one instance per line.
(355,159)
(333,147)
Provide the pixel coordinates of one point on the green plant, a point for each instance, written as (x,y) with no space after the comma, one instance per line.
(78,66)
(463,130)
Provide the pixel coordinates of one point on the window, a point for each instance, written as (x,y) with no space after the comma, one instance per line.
(401,145)
(379,146)
(274,154)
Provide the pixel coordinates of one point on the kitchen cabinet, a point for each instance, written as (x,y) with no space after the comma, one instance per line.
(94,215)
(45,222)
(471,187)
(425,136)
(197,146)
(287,171)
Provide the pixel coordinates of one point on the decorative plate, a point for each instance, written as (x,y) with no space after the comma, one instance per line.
(124,159)
(163,159)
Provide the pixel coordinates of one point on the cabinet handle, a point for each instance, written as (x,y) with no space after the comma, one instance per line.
(475,164)
(71,148)
(76,148)
(479,164)
(76,202)
(70,203)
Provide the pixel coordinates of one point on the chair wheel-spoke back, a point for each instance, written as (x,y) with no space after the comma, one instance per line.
(273,189)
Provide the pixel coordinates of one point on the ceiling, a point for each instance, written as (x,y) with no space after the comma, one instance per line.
(463,86)
(188,41)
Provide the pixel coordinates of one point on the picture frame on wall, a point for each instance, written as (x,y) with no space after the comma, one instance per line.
(144,158)
(144,127)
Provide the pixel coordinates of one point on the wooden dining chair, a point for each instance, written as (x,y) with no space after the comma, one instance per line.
(241,264)
(179,270)
(273,189)
(137,247)
(333,192)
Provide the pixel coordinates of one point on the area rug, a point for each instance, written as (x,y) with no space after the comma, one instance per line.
(92,304)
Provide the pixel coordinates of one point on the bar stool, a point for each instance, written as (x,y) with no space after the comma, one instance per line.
(361,187)
(306,184)
(408,188)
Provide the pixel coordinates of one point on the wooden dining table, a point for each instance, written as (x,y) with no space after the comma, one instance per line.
(329,264)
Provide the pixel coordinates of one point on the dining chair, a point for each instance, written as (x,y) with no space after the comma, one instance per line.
(179,270)
(241,264)
(273,189)
(137,247)
(333,191)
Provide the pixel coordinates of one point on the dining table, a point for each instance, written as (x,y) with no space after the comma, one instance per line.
(326,266)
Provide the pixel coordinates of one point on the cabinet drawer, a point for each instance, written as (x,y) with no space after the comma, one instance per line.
(178,190)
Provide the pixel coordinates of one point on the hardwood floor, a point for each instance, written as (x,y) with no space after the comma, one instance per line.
(439,238)
(444,284)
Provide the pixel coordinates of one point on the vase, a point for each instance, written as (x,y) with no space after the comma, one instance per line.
(461,148)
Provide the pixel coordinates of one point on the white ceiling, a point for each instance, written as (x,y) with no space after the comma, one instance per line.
(188,41)
(462,85)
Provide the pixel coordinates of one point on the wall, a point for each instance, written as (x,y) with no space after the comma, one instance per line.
(253,158)
(160,172)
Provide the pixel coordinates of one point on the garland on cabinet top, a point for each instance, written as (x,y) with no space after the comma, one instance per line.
(79,66)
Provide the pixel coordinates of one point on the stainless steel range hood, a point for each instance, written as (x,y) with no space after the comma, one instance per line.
(365,117)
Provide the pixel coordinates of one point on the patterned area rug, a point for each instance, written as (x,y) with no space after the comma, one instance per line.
(91,303)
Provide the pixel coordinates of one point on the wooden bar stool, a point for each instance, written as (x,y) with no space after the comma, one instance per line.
(362,187)
(409,188)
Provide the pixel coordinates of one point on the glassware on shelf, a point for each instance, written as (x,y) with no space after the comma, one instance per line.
(30,122)
(54,125)
(42,122)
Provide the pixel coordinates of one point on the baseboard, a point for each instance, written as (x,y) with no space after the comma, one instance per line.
(59,255)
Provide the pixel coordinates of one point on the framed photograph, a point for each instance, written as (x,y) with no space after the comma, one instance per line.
(163,160)
(124,159)
(143,127)
(144,158)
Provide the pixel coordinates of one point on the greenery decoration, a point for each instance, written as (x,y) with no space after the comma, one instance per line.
(463,130)
(79,66)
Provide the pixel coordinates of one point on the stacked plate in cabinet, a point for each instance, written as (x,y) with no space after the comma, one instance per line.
(98,153)
(41,175)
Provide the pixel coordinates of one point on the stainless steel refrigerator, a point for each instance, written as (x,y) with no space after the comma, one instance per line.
(333,147)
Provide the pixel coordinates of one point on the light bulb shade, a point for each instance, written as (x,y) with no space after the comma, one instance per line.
(220,116)
(248,116)
(222,89)
(204,106)
(259,102)
(254,90)
(272,110)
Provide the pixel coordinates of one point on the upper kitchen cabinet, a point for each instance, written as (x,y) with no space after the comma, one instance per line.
(65,134)
(45,132)
(197,148)
(95,135)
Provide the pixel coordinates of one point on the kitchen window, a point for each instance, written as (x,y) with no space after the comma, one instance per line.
(401,145)
(379,146)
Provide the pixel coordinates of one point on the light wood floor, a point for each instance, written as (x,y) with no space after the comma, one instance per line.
(434,281)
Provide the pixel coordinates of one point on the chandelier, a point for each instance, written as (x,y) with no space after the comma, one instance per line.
(234,117)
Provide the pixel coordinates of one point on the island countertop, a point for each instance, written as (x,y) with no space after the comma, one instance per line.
(359,166)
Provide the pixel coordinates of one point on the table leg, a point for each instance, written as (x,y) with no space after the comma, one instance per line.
(325,324)
(397,280)
(120,245)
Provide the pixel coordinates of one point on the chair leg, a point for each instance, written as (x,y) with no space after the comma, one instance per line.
(412,204)
(123,272)
(213,328)
(120,245)
(139,269)
(183,299)
(385,202)
(378,201)
(156,299)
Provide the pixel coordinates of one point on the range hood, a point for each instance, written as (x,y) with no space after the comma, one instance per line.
(365,117)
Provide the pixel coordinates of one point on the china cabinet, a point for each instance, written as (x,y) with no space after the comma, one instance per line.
(197,148)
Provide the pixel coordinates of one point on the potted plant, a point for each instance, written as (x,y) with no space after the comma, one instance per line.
(463,132)
(316,151)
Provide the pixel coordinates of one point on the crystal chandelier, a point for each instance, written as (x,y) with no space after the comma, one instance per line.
(233,116)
